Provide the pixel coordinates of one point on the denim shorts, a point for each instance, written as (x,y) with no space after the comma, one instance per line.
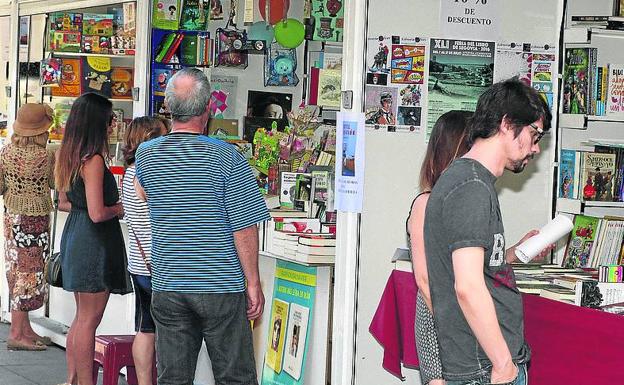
(143,321)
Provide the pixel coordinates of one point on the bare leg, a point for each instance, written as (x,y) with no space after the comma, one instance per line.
(92,307)
(437,381)
(143,354)
(69,348)
(16,331)
(28,330)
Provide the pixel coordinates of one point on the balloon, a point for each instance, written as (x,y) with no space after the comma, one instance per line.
(278,9)
(289,33)
(261,31)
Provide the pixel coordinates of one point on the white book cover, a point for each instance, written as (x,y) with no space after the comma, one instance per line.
(287,189)
(296,340)
(615,90)
(594,294)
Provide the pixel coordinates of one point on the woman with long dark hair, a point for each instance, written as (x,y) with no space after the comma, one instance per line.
(93,257)
(448,141)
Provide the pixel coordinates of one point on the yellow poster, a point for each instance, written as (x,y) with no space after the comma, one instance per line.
(277,332)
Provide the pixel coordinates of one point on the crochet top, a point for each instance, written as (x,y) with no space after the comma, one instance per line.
(26,177)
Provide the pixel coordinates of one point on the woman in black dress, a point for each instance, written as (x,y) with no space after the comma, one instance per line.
(93,257)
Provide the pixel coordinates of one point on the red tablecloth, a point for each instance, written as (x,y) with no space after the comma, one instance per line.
(393,323)
(571,345)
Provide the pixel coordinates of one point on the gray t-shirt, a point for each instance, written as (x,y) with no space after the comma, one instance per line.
(463,211)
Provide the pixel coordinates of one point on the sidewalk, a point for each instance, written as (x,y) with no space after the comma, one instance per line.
(33,368)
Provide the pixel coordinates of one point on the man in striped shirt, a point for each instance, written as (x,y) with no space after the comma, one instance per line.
(204,208)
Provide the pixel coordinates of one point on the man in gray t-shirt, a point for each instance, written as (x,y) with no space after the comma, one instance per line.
(477,307)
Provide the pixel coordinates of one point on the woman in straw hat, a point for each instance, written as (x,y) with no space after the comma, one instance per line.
(26,177)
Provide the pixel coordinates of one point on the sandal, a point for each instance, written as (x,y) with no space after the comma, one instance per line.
(45,340)
(17,345)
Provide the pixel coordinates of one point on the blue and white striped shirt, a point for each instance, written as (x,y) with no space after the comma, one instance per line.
(200,191)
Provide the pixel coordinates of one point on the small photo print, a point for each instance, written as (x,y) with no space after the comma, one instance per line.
(377,78)
(409,116)
(381,105)
(410,95)
(268,104)
(51,72)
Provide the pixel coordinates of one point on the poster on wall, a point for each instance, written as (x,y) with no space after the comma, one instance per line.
(513,63)
(327,20)
(459,72)
(350,166)
(223,96)
(471,19)
(395,83)
(291,315)
(535,69)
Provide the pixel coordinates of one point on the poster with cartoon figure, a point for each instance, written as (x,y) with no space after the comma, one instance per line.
(378,54)
(280,67)
(408,64)
(381,105)
(395,83)
(327,20)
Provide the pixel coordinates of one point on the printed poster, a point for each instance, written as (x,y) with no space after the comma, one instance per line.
(544,75)
(223,96)
(459,72)
(291,315)
(350,167)
(513,63)
(395,83)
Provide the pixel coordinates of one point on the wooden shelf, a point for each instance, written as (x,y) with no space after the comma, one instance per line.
(75,97)
(71,54)
(604,204)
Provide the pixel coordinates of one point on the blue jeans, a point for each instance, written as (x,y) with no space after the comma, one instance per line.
(220,320)
(522,379)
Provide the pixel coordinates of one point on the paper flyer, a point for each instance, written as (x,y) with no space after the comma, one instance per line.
(459,72)
(350,166)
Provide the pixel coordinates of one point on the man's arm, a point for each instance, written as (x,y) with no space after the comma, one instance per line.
(246,242)
(478,308)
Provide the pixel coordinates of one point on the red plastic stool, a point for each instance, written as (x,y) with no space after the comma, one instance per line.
(113,353)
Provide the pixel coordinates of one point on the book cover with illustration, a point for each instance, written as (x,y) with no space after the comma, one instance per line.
(576,80)
(61,113)
(50,72)
(194,15)
(71,84)
(65,41)
(598,177)
(122,81)
(96,75)
(296,340)
(165,14)
(160,77)
(277,332)
(100,24)
(65,21)
(615,90)
(326,21)
(580,242)
(568,174)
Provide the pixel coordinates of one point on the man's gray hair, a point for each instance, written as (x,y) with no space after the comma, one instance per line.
(185,104)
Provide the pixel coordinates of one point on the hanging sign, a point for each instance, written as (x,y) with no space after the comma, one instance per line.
(350,166)
(470,19)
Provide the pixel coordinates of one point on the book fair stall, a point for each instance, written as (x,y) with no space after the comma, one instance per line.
(332,103)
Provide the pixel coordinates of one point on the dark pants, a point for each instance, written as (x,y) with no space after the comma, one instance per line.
(220,320)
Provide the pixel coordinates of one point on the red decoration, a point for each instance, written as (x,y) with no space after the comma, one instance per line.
(278,9)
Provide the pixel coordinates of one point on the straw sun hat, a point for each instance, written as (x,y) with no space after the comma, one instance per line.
(33,119)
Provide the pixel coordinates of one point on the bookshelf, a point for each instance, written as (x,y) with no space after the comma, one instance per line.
(98,57)
(584,131)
